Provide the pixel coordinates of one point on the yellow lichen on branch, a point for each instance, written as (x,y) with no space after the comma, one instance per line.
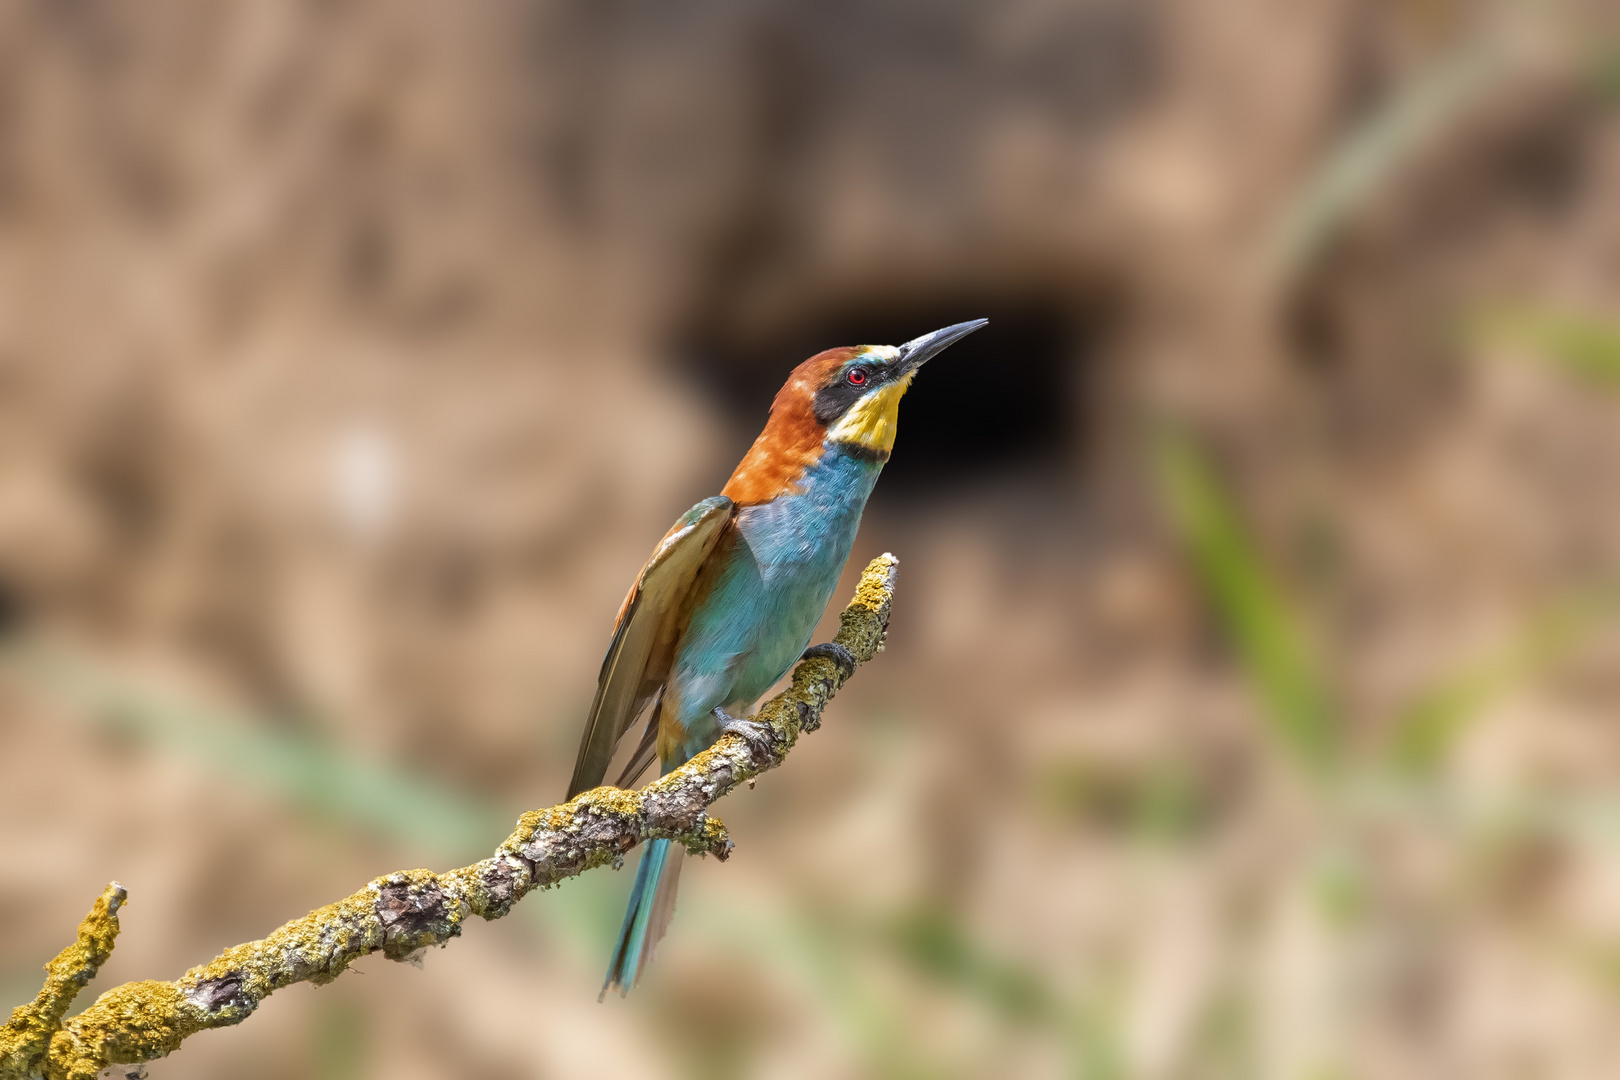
(25,1040)
(405,912)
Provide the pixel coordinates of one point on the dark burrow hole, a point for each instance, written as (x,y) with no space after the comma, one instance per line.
(1008,398)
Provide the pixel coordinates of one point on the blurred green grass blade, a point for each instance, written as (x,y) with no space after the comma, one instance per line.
(1164,802)
(937,946)
(1587,347)
(1431,725)
(310,774)
(1252,609)
(940,948)
(1097,1042)
(1604,71)
(822,950)
(1374,152)
(877,1024)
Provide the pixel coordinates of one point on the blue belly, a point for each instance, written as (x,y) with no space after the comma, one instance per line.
(773,580)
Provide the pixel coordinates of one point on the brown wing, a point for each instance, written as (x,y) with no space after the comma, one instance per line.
(642,756)
(642,649)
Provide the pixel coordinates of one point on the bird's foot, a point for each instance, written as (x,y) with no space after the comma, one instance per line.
(755,733)
(834,652)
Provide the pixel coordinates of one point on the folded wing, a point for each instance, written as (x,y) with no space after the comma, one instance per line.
(643,646)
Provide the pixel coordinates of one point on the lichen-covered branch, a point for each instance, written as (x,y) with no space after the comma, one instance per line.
(26,1039)
(405,912)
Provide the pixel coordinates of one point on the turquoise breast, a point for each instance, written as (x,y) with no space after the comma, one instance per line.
(774,577)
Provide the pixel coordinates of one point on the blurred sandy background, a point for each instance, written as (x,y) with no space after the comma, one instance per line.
(1249,709)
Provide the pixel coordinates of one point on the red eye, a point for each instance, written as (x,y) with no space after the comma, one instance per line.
(856,377)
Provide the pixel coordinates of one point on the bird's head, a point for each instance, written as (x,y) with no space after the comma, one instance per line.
(847,397)
(857,391)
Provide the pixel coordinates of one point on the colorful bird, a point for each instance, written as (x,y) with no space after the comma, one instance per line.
(729,599)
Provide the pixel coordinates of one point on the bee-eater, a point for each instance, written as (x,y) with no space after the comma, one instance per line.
(733,592)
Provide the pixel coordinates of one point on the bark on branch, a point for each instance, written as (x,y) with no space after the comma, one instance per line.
(405,912)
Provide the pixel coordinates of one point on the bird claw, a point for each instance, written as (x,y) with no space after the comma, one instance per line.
(833,651)
(754,732)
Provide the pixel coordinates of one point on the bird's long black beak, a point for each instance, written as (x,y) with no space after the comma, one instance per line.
(918,351)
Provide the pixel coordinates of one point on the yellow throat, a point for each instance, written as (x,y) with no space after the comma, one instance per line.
(873,420)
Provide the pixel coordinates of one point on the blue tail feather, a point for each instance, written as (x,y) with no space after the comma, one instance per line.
(625,967)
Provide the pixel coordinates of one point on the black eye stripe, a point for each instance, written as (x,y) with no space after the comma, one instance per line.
(839,393)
